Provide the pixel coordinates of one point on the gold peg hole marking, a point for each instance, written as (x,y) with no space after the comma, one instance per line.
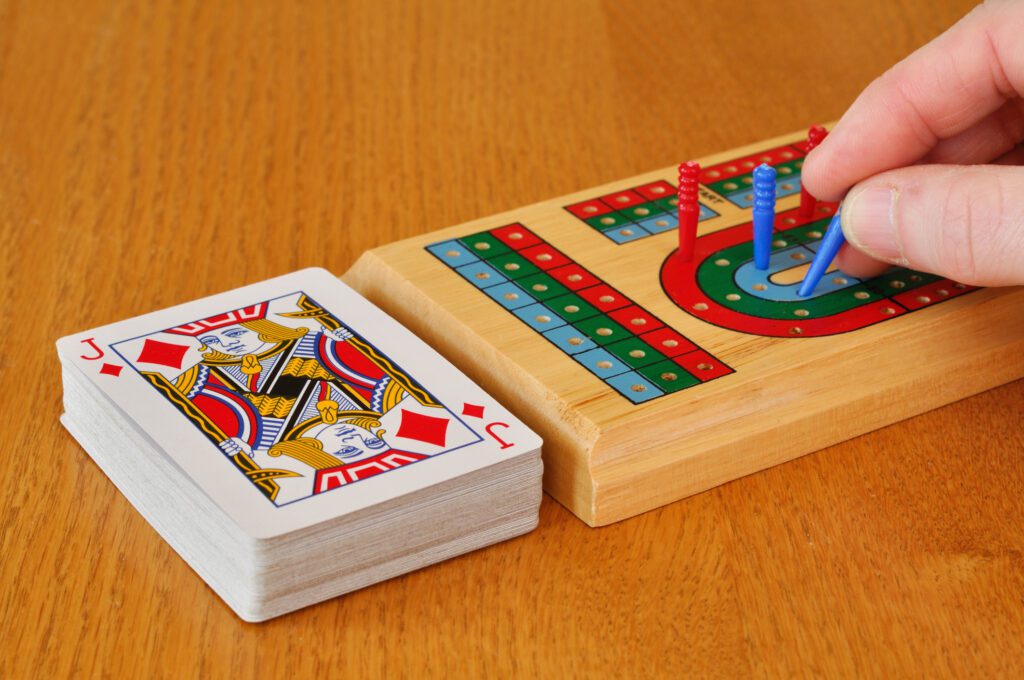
(701,307)
(861,295)
(731,185)
(657,190)
(732,296)
(483,245)
(801,312)
(544,257)
(515,236)
(766,159)
(604,364)
(722,262)
(638,321)
(575,341)
(942,292)
(590,209)
(796,330)
(638,388)
(637,353)
(749,197)
(483,275)
(790,220)
(814,234)
(785,170)
(748,180)
(786,154)
(669,343)
(673,201)
(897,284)
(760,286)
(914,277)
(453,253)
(748,164)
(604,331)
(607,220)
(622,199)
(575,277)
(512,266)
(779,243)
(626,232)
(888,311)
(662,223)
(543,318)
(787,186)
(824,209)
(959,286)
(730,168)
(539,287)
(511,296)
(840,281)
(606,298)
(713,173)
(798,256)
(668,377)
(704,367)
(924,299)
(799,164)
(572,309)
(642,211)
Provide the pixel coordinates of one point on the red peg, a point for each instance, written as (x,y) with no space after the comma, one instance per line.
(808,202)
(689,208)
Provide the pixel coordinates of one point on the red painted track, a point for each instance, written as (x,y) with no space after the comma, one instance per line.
(679,280)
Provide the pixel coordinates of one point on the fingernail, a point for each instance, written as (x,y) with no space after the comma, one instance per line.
(869,225)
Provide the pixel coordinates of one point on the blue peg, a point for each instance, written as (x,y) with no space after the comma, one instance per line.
(764,214)
(830,244)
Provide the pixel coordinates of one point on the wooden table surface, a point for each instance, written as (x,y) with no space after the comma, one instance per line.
(157,153)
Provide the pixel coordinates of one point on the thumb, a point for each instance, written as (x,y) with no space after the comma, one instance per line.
(962,222)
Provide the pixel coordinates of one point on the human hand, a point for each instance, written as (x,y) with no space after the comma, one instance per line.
(932,151)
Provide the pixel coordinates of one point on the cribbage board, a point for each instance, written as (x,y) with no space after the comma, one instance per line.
(652,378)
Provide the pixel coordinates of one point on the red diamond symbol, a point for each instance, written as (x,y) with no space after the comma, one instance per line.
(163,353)
(423,428)
(111,369)
(472,410)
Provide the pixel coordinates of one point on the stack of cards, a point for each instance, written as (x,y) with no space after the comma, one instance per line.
(292,442)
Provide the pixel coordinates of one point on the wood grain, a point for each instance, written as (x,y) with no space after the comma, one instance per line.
(154,153)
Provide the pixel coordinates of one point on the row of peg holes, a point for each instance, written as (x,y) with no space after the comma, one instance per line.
(750,164)
(571,309)
(625,199)
(732,186)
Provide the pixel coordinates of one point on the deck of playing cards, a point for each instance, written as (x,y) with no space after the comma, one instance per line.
(292,442)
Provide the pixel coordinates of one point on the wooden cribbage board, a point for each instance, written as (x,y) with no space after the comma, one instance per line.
(652,379)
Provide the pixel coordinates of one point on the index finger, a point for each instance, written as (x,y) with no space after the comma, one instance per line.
(940,90)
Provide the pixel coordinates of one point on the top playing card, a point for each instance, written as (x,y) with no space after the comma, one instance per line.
(295,400)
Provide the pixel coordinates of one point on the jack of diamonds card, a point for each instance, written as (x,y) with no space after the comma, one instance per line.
(299,402)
